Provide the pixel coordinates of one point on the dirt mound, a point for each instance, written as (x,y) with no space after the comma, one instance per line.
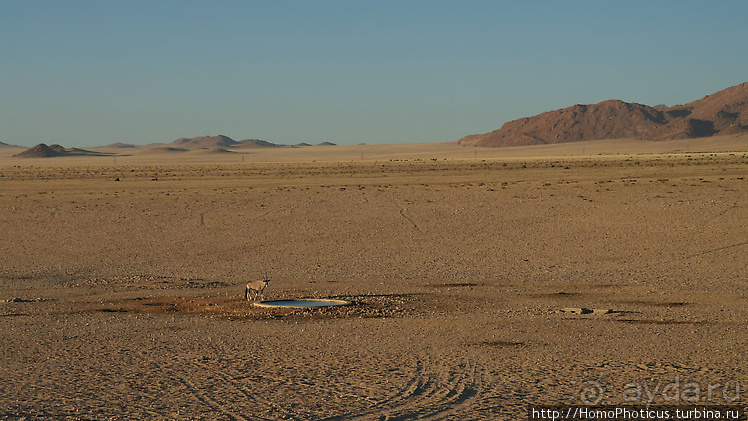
(41,151)
(204,142)
(725,112)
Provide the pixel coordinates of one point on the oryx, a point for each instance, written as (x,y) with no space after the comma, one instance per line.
(256,288)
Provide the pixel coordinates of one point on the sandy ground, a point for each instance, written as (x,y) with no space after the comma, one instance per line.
(124,299)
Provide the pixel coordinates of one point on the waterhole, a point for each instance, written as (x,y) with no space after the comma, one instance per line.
(302,303)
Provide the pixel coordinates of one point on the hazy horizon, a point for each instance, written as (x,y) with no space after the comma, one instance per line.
(86,73)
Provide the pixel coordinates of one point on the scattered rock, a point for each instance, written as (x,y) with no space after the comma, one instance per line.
(575,310)
(584,310)
(24,300)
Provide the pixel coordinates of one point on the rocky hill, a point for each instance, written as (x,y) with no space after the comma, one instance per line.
(40,151)
(725,112)
(219,141)
(203,142)
(257,143)
(121,145)
(43,151)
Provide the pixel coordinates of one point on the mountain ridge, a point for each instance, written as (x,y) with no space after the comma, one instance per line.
(721,113)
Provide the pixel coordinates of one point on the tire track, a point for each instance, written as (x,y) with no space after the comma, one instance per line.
(205,399)
(401,210)
(715,250)
(432,394)
(239,391)
(447,394)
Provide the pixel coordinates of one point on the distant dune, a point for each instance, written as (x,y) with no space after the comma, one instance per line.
(722,113)
(325,144)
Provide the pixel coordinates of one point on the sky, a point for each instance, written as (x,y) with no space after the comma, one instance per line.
(91,73)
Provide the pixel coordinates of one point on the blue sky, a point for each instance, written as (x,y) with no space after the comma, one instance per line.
(87,73)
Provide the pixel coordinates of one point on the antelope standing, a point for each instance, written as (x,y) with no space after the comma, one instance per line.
(256,288)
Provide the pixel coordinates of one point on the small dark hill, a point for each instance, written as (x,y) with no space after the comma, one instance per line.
(39,151)
(325,144)
(43,151)
(257,143)
(203,142)
(83,152)
(211,151)
(121,145)
(166,149)
(58,148)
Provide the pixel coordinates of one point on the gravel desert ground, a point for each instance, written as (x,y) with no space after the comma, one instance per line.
(122,281)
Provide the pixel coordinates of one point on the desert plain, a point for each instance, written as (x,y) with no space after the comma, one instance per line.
(122,281)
